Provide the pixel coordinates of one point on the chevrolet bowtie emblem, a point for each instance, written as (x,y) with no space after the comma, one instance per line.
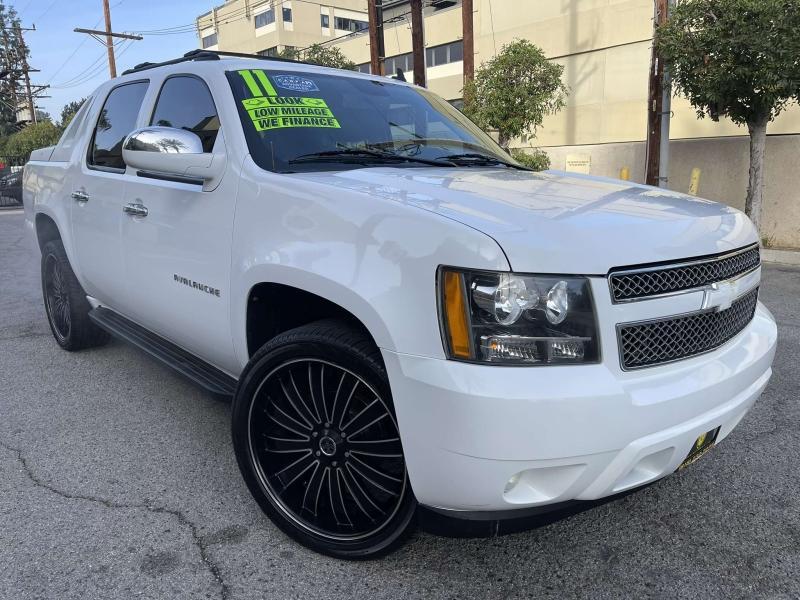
(719,296)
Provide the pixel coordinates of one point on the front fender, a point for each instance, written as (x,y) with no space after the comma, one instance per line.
(374,256)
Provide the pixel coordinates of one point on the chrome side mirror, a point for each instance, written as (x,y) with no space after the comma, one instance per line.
(170,151)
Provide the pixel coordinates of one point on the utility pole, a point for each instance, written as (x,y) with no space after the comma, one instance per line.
(377,51)
(109,38)
(23,54)
(666,116)
(469,40)
(112,63)
(655,104)
(418,42)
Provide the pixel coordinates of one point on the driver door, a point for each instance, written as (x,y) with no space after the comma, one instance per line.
(177,243)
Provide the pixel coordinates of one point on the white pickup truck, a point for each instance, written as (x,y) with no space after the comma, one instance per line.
(404,316)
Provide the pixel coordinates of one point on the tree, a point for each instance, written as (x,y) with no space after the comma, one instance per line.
(317,54)
(514,91)
(10,59)
(738,59)
(32,137)
(69,111)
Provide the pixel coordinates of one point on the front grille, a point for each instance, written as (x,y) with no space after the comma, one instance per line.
(655,281)
(674,338)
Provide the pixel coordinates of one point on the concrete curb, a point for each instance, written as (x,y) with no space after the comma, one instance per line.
(783,257)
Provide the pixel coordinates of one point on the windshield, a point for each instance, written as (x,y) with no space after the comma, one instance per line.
(298,121)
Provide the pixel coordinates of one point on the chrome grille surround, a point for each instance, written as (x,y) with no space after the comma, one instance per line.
(629,285)
(665,340)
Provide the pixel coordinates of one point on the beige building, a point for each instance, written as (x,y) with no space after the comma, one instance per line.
(605,48)
(269,26)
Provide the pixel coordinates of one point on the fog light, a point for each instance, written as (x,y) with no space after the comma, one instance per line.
(512,483)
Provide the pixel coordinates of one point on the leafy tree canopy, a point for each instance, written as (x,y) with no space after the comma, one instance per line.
(25,141)
(69,111)
(737,58)
(11,50)
(513,92)
(318,54)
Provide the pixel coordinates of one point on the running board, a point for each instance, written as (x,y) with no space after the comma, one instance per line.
(197,370)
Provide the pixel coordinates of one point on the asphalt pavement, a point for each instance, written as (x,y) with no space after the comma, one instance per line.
(118,480)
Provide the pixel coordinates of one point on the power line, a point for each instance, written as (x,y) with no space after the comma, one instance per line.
(78,47)
(26,7)
(95,66)
(46,10)
(97,70)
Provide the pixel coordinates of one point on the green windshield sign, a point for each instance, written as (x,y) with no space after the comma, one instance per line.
(268,110)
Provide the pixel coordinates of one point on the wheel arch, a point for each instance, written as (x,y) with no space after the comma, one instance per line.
(46,229)
(274,307)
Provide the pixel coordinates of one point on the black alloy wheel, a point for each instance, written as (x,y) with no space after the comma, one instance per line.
(56,298)
(319,442)
(65,302)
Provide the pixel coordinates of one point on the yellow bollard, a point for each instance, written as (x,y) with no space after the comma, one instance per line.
(694,182)
(625,174)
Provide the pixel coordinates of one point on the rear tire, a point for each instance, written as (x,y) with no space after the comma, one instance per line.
(316,440)
(65,302)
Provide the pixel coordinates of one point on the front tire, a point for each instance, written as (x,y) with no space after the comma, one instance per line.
(317,442)
(65,302)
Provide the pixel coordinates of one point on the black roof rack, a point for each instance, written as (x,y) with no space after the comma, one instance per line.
(207,55)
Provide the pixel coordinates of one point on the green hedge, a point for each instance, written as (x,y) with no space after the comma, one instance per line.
(32,137)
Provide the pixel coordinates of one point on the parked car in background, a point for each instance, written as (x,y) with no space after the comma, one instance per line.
(403,314)
(11,188)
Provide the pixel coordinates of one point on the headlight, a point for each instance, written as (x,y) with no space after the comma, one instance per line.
(505,318)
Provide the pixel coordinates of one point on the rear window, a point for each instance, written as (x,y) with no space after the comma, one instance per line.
(291,114)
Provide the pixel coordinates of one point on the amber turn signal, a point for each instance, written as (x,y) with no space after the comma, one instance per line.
(455,314)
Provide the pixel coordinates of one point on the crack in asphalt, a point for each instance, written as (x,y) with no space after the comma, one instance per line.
(197,539)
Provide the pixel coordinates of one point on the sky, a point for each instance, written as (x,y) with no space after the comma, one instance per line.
(74,64)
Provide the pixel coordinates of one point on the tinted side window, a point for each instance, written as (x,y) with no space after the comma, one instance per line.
(186,103)
(117,119)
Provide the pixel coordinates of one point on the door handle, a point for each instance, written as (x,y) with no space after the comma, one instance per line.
(135,209)
(80,196)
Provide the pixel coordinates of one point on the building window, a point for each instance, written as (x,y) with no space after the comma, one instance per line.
(365,68)
(268,52)
(405,62)
(210,40)
(442,55)
(289,49)
(354,25)
(325,21)
(287,15)
(265,18)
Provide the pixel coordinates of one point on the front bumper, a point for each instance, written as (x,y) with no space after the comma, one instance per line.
(565,432)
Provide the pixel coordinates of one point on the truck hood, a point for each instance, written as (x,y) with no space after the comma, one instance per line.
(555,222)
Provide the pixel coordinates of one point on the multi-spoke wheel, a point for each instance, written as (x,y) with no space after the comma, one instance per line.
(65,302)
(318,443)
(56,298)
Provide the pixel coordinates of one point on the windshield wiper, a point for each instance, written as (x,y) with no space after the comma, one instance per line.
(362,154)
(474,158)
